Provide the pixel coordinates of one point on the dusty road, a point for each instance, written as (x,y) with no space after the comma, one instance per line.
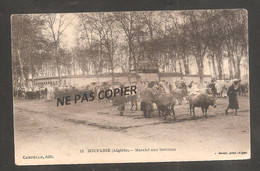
(42,128)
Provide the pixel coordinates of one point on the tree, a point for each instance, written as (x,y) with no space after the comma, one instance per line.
(169,38)
(177,33)
(235,25)
(110,40)
(29,47)
(97,31)
(127,23)
(56,25)
(215,39)
(196,32)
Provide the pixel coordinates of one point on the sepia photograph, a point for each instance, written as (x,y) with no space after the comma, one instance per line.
(130,87)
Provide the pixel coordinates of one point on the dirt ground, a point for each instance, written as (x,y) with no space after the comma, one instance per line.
(42,128)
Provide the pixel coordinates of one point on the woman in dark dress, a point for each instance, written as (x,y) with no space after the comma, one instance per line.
(232,97)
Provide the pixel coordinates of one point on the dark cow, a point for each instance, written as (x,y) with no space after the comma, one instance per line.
(120,102)
(201,100)
(133,100)
(165,103)
(242,89)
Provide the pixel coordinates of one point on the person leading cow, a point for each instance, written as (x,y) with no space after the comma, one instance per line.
(147,100)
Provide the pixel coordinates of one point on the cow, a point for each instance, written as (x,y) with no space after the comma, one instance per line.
(243,89)
(119,101)
(201,100)
(165,103)
(133,100)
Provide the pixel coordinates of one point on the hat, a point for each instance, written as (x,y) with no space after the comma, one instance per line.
(235,81)
(151,84)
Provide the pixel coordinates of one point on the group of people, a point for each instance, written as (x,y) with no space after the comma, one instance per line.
(147,94)
(37,92)
(147,90)
(232,91)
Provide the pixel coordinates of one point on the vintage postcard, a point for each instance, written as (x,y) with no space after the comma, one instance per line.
(129,87)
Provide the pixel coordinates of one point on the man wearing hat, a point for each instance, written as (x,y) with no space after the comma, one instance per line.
(232,97)
(147,100)
(121,102)
(213,88)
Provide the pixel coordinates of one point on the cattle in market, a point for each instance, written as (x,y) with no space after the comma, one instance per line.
(201,100)
(165,103)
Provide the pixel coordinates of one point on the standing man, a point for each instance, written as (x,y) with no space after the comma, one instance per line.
(232,96)
(213,88)
(120,101)
(147,100)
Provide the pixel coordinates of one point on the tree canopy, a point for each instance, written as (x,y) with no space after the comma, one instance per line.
(109,42)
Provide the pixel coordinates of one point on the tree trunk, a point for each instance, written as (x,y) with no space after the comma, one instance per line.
(234,66)
(238,69)
(201,73)
(32,78)
(186,65)
(59,74)
(180,69)
(112,67)
(21,68)
(58,64)
(219,70)
(210,66)
(174,63)
(231,76)
(214,66)
(135,63)
(174,66)
(220,64)
(113,77)
(200,66)
(129,61)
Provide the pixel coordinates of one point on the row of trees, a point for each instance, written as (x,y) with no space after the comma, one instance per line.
(108,41)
